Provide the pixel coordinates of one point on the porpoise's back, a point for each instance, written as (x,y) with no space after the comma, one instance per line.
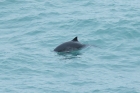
(68,46)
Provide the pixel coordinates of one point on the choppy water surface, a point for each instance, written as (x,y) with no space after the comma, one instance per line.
(31,29)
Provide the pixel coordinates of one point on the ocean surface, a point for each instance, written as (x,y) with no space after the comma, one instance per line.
(31,29)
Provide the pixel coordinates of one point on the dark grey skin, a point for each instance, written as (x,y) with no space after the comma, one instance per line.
(69,46)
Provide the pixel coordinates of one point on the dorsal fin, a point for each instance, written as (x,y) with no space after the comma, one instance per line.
(75,39)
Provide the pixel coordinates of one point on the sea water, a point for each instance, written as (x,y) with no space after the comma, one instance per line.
(31,29)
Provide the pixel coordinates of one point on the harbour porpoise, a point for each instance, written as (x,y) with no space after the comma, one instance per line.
(74,44)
